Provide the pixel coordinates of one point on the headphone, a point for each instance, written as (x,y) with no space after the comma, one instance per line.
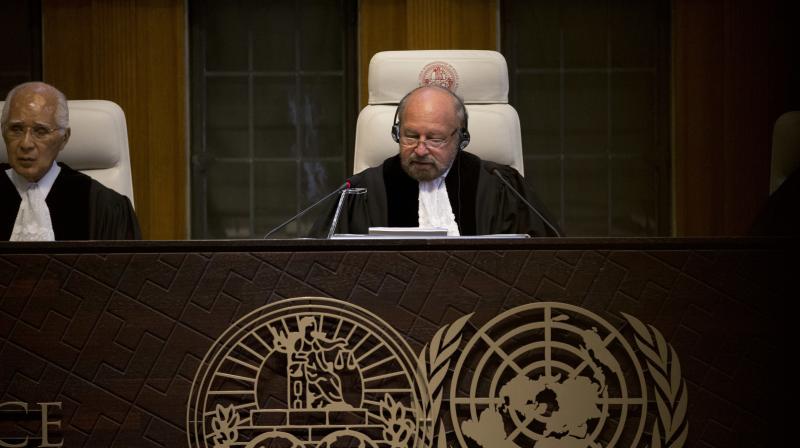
(463,133)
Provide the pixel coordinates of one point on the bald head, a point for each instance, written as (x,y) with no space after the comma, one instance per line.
(436,93)
(45,92)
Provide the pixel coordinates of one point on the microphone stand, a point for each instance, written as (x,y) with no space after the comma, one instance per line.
(344,193)
(496,172)
(345,186)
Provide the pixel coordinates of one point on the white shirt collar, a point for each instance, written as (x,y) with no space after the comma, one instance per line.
(45,183)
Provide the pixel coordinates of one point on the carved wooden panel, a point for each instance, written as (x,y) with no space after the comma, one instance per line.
(117,339)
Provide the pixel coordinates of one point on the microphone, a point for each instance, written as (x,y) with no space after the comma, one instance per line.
(345,192)
(345,186)
(496,172)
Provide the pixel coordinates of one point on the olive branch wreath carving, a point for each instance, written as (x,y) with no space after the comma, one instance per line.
(433,364)
(225,425)
(670,388)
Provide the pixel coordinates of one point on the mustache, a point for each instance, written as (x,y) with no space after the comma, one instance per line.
(418,159)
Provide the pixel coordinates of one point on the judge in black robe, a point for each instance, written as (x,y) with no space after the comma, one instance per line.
(482,204)
(80,208)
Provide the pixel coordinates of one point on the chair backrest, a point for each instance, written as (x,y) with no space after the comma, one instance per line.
(98,145)
(785,149)
(479,77)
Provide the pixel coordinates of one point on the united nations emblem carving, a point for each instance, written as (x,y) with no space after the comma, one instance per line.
(554,375)
(316,372)
(306,372)
(439,73)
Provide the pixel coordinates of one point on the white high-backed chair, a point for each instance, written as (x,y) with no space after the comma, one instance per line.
(479,77)
(98,145)
(785,149)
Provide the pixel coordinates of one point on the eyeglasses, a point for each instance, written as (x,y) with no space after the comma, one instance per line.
(430,143)
(38,132)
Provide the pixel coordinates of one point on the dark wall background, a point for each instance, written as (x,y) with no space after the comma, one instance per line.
(21,34)
(734,74)
(734,71)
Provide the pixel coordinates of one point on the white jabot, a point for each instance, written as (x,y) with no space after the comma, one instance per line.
(33,217)
(434,206)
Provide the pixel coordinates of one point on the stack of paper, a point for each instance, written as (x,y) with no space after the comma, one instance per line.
(402,232)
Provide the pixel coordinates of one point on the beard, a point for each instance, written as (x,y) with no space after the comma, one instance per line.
(422,168)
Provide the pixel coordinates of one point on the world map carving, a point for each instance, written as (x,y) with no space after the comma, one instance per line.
(536,376)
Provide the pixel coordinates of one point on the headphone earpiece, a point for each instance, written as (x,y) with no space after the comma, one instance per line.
(396,124)
(463,134)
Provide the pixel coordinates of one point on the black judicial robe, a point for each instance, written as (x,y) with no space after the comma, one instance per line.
(781,215)
(80,208)
(481,203)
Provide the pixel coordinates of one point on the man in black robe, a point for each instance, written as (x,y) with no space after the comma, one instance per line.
(35,127)
(431,130)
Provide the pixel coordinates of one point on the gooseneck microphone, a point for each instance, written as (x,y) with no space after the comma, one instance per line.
(496,172)
(345,186)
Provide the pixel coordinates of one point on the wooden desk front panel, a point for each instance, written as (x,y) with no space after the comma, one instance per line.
(117,338)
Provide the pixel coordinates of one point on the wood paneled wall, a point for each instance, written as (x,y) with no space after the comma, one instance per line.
(20,31)
(131,52)
(423,25)
(730,79)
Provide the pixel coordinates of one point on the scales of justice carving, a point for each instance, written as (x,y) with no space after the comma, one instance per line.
(316,372)
(308,372)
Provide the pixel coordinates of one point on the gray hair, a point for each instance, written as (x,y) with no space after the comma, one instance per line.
(458,104)
(62,109)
